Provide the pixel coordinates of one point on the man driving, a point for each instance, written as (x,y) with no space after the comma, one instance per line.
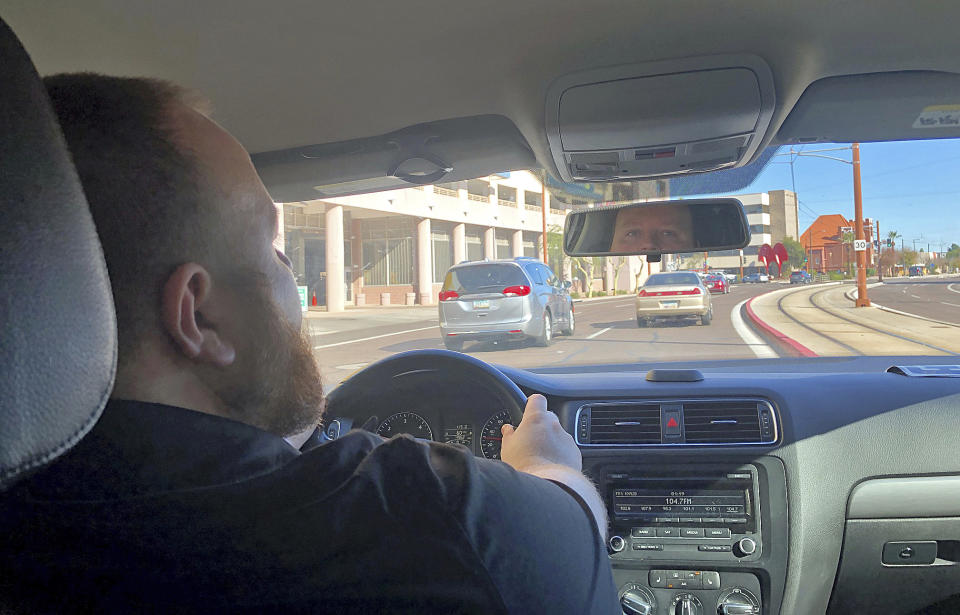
(653,228)
(190,494)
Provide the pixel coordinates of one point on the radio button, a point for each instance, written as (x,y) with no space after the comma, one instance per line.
(715,548)
(668,532)
(691,532)
(740,520)
(668,519)
(711,520)
(690,520)
(643,532)
(716,532)
(642,546)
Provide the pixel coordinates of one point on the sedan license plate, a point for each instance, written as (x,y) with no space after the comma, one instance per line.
(483,304)
(669,304)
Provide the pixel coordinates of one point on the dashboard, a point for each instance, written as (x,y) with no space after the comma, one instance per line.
(761,487)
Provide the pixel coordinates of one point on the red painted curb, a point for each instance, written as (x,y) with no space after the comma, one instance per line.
(780,337)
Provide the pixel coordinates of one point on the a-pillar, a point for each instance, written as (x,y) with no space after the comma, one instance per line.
(335,279)
(424,263)
(459,243)
(490,243)
(516,243)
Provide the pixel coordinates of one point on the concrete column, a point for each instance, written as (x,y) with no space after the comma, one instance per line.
(490,243)
(608,274)
(424,263)
(540,253)
(568,269)
(459,243)
(516,243)
(335,280)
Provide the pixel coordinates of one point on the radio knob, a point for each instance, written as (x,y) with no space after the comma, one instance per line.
(745,547)
(617,544)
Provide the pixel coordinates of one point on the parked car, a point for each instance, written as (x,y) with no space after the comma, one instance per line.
(716,283)
(800,277)
(680,294)
(756,278)
(503,300)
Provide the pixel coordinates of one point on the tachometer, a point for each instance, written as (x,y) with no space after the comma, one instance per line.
(491,437)
(405,422)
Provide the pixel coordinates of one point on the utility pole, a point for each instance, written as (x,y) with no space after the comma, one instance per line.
(862,299)
(543,209)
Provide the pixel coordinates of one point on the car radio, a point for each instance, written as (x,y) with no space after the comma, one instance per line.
(690,513)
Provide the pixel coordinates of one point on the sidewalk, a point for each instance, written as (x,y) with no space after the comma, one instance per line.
(820,320)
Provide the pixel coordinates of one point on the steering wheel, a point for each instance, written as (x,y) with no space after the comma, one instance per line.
(372,390)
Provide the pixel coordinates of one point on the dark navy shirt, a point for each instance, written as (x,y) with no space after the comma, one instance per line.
(169,510)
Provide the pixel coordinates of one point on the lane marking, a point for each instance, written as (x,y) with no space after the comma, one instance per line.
(352,366)
(754,343)
(950,304)
(916,296)
(600,332)
(375,337)
(951,288)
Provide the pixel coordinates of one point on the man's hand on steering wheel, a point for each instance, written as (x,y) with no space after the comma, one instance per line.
(539,440)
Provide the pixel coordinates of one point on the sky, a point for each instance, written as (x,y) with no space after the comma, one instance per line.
(912,187)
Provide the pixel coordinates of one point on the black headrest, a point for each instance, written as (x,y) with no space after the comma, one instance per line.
(58,340)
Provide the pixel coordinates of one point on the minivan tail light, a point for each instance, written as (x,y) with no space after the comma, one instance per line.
(449,295)
(517,291)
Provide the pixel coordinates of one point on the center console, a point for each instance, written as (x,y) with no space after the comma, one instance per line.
(696,539)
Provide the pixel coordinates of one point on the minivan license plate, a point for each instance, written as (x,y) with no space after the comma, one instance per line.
(669,304)
(483,304)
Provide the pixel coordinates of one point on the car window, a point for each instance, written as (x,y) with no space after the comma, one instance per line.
(483,278)
(534,272)
(548,276)
(669,279)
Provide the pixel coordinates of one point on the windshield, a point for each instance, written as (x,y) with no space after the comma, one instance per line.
(482,278)
(793,291)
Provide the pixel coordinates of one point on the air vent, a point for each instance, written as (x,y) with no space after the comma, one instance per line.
(727,422)
(623,423)
(677,422)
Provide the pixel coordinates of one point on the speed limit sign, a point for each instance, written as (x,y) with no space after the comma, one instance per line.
(860,245)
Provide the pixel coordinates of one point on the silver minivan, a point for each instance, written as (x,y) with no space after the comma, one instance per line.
(498,300)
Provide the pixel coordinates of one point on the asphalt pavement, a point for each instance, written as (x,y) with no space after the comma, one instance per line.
(606,332)
(937,298)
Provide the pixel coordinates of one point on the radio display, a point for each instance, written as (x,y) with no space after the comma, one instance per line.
(630,502)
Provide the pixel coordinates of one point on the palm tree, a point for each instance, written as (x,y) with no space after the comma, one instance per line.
(893,236)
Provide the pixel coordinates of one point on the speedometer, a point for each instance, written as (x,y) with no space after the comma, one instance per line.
(405,422)
(491,437)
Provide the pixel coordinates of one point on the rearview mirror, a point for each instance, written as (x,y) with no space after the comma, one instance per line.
(662,227)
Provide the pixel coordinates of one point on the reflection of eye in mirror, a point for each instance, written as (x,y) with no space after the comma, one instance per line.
(666,227)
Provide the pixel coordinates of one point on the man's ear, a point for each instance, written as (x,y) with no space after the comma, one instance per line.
(186,302)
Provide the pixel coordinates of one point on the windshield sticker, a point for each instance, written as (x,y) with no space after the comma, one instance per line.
(939,116)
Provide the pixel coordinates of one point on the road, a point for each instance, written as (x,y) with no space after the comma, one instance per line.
(936,298)
(606,332)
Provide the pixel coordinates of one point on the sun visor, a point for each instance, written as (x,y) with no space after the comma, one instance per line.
(876,107)
(443,151)
(662,119)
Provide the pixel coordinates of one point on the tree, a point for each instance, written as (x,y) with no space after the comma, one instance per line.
(795,253)
(556,257)
(910,257)
(693,261)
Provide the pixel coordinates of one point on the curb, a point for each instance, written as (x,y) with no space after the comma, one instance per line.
(775,336)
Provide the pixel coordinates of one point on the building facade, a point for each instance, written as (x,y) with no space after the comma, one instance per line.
(828,243)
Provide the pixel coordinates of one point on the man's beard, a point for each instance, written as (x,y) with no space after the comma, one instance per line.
(275,382)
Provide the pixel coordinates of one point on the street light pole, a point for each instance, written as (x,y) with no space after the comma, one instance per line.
(862,299)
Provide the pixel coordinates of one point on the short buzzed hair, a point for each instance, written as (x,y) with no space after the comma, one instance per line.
(150,206)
